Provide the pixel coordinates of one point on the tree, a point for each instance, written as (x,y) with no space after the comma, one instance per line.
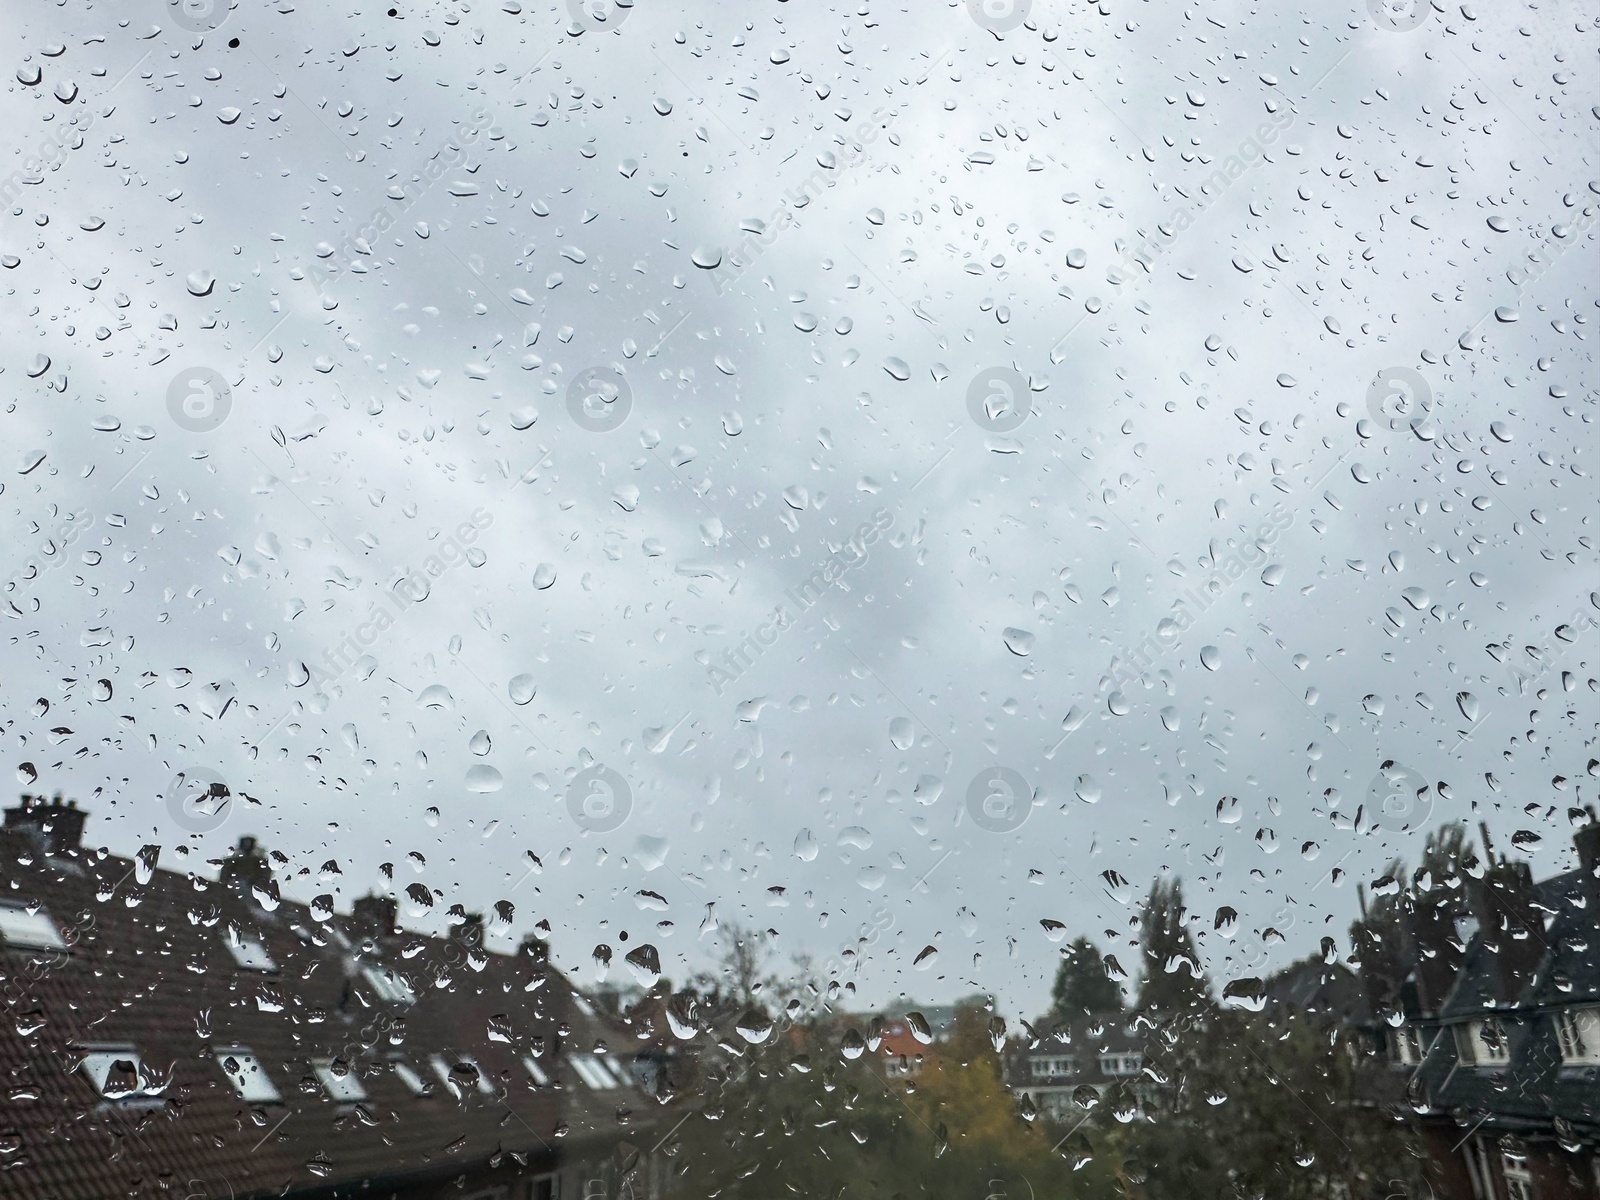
(1272,1104)
(1173,980)
(1082,987)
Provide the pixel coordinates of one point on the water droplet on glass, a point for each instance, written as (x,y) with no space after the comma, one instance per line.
(482,779)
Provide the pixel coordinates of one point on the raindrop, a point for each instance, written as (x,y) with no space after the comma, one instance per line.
(902,735)
(482,779)
(755,1026)
(436,696)
(521,688)
(1018,641)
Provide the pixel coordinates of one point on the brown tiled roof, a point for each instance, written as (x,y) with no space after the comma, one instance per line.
(148,967)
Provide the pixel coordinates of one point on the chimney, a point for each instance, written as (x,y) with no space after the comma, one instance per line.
(536,948)
(1429,924)
(1587,841)
(57,827)
(1378,947)
(246,867)
(469,932)
(375,914)
(1512,928)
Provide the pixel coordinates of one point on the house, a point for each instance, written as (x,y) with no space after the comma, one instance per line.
(1064,1073)
(167,1033)
(901,1049)
(1488,1010)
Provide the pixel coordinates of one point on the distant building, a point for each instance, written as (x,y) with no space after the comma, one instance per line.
(1487,1006)
(1080,1062)
(167,1034)
(901,1050)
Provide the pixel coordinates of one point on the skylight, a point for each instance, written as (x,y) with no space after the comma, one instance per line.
(247,1075)
(31,929)
(389,985)
(594,1072)
(409,1076)
(535,1070)
(247,950)
(340,1084)
(115,1071)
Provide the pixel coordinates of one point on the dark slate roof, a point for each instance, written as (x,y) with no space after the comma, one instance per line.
(1330,990)
(147,966)
(1533,1090)
(1082,1042)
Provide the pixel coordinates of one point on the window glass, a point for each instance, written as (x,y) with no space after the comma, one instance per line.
(992,599)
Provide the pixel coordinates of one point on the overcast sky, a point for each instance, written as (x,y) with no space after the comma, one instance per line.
(1199,234)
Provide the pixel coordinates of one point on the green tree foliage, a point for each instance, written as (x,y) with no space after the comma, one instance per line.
(809,1112)
(1268,1105)
(1174,981)
(1082,987)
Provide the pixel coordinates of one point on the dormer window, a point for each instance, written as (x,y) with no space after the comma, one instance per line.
(1120,1064)
(1483,1043)
(1408,1047)
(1578,1031)
(247,950)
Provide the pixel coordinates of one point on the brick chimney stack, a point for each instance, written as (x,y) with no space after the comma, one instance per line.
(56,826)
(1587,842)
(469,932)
(1429,925)
(246,867)
(1512,928)
(374,914)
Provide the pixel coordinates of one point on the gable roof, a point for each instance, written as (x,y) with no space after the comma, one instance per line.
(147,966)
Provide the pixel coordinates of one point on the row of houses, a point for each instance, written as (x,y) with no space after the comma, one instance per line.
(172,1034)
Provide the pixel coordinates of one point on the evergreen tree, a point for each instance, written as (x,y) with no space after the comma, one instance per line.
(1082,987)
(1173,980)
